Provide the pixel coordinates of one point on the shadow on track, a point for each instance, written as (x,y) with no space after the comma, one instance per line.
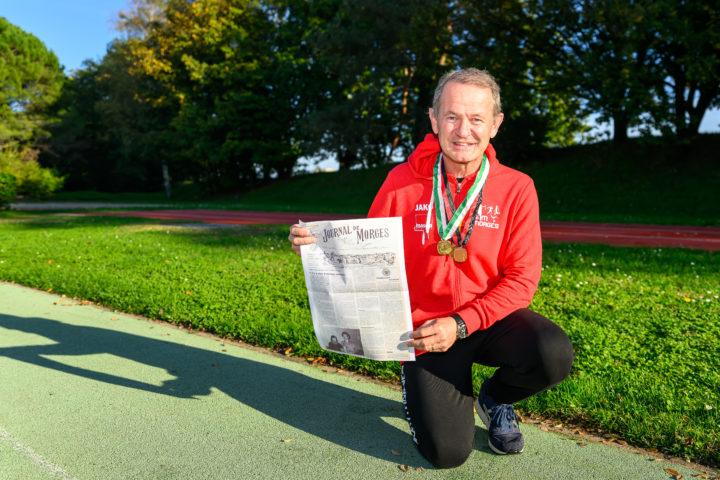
(337,414)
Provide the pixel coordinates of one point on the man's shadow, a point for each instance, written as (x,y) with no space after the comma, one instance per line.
(337,414)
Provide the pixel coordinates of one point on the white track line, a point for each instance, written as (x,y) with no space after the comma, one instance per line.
(35,457)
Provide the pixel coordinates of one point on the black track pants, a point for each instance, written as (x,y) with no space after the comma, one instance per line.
(532,353)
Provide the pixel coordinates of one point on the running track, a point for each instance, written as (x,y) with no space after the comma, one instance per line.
(705,238)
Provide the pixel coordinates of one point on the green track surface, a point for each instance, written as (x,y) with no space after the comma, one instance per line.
(88,393)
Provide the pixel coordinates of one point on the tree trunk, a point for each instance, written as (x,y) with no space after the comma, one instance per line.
(166,180)
(620,128)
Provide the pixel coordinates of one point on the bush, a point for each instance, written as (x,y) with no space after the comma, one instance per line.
(31,179)
(7,188)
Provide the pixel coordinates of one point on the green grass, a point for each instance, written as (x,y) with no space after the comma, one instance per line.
(644,321)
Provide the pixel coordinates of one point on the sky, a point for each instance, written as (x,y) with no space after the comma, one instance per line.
(77,30)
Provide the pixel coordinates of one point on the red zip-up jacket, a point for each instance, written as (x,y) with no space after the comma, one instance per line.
(504,261)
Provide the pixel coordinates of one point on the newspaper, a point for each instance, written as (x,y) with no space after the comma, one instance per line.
(355,276)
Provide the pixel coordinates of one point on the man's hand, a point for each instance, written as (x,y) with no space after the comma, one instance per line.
(436,335)
(300,236)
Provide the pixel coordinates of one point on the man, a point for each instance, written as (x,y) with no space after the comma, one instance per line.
(473,258)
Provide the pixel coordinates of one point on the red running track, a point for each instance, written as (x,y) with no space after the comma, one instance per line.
(705,238)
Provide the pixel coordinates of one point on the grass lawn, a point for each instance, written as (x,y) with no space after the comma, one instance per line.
(644,321)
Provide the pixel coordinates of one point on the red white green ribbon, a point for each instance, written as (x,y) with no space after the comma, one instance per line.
(446,228)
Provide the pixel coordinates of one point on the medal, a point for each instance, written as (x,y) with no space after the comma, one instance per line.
(444,247)
(447,227)
(459,254)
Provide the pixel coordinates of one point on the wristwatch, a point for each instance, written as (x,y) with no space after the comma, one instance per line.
(461,327)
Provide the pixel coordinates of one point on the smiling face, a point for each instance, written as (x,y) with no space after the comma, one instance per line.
(464,124)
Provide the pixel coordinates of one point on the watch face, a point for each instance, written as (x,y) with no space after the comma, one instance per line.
(462,329)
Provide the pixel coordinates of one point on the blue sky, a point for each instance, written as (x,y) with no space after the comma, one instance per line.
(77,30)
(74,29)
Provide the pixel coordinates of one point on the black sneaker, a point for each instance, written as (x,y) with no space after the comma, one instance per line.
(503,433)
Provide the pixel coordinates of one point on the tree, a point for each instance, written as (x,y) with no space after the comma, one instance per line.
(214,63)
(688,50)
(379,64)
(30,81)
(604,53)
(106,137)
(509,39)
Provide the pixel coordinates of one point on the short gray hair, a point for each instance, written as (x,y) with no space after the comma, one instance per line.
(469,76)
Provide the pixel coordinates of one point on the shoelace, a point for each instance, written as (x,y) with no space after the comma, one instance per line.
(504,417)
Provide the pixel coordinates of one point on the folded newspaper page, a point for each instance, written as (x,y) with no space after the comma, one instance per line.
(355,276)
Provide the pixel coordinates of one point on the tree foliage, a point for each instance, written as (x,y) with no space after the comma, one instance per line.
(30,81)
(107,137)
(214,64)
(229,93)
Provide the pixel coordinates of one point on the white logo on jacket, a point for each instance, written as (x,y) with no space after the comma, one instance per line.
(489,217)
(420,218)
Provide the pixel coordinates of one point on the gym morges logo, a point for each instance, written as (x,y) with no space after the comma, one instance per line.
(488,217)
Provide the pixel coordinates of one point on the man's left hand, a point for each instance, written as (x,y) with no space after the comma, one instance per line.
(436,335)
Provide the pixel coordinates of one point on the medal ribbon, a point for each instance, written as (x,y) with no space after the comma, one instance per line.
(446,228)
(460,241)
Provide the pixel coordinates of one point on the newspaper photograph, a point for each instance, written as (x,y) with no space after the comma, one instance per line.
(357,288)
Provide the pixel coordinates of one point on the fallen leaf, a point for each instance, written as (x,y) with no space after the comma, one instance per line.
(670,471)
(582,444)
(395,452)
(287,440)
(700,475)
(420,469)
(544,429)
(288,351)
(86,302)
(188,293)
(49,290)
(49,261)
(318,360)
(404,468)
(114,319)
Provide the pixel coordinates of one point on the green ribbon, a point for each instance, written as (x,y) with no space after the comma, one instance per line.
(446,228)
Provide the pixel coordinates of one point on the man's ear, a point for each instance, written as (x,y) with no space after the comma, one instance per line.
(496,124)
(433,121)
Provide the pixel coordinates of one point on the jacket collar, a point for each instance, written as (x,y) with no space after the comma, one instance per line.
(422,159)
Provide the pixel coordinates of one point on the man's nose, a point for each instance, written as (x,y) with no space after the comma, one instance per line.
(463,128)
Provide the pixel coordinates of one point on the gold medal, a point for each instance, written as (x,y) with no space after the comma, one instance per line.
(459,254)
(444,247)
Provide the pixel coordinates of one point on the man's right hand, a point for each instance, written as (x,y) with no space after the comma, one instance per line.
(300,236)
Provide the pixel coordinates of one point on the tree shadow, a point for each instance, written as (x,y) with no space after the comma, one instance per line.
(340,415)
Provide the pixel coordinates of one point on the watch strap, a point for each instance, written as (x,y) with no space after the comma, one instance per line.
(461,327)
